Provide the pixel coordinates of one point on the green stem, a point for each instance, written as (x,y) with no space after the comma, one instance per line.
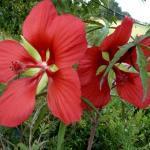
(61,135)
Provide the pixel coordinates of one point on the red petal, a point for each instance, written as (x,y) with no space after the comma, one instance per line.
(92,92)
(64,96)
(90,83)
(67,40)
(129,87)
(36,24)
(118,38)
(145,42)
(11,51)
(89,64)
(131,57)
(17,102)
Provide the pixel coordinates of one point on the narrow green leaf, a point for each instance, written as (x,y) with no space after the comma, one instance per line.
(125,67)
(30,49)
(100,69)
(111,78)
(105,55)
(141,61)
(116,57)
(61,135)
(94,22)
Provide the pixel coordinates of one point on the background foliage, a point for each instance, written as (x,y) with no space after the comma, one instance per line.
(121,126)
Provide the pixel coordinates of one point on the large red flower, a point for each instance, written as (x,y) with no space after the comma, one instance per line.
(64,37)
(94,63)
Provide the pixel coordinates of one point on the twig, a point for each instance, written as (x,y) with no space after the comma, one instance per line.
(7,141)
(2,144)
(95,122)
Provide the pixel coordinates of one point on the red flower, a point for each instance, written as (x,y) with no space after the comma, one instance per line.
(133,57)
(64,37)
(93,65)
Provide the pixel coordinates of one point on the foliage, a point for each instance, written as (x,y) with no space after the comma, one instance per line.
(12,14)
(118,129)
(121,126)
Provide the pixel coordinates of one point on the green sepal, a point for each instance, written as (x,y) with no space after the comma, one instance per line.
(30,49)
(42,84)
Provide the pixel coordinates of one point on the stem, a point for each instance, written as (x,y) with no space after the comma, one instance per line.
(61,135)
(8,142)
(94,29)
(2,144)
(95,122)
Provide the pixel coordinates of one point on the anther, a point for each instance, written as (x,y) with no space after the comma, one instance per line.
(17,66)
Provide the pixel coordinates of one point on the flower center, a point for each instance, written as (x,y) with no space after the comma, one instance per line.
(44,65)
(17,66)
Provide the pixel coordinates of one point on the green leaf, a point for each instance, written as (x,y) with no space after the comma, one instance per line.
(100,69)
(30,49)
(116,57)
(125,67)
(111,78)
(105,55)
(61,134)
(94,22)
(141,61)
